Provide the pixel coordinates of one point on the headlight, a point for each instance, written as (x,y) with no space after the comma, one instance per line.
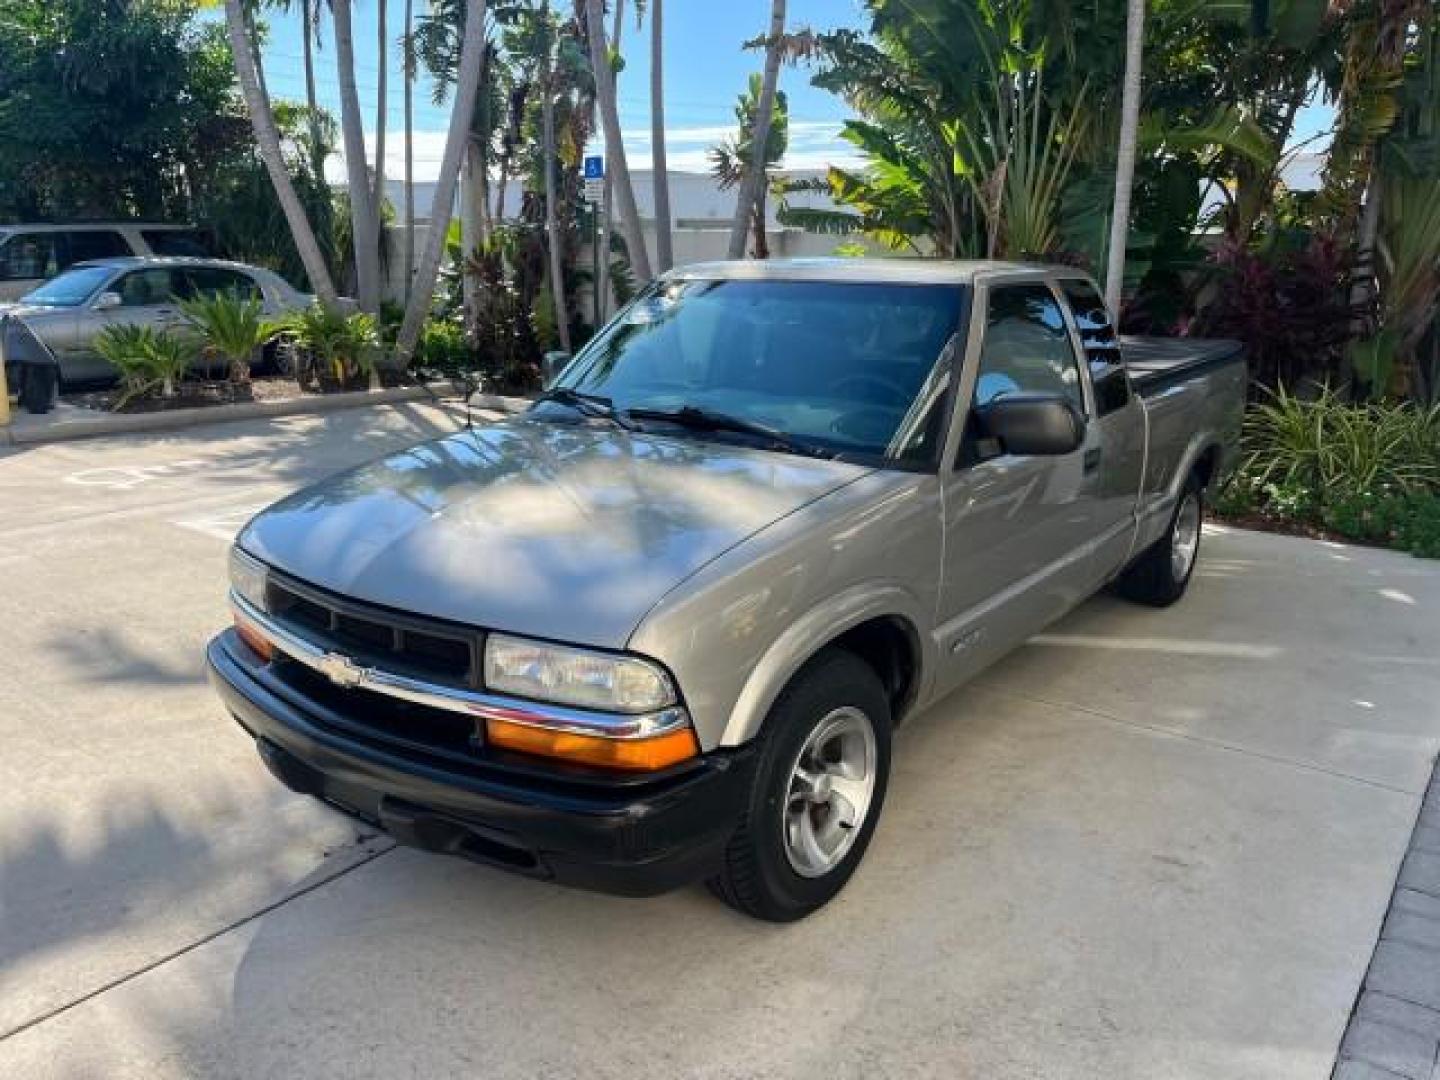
(579,677)
(247,578)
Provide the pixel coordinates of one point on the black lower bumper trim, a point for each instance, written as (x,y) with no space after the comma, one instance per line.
(612,838)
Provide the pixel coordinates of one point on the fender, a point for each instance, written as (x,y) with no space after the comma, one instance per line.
(810,633)
(1198,446)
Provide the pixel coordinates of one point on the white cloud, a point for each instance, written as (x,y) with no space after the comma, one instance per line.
(814,144)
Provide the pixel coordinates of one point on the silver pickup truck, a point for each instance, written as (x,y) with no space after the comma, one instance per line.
(661,626)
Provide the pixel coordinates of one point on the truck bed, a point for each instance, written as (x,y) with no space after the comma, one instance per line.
(1156,363)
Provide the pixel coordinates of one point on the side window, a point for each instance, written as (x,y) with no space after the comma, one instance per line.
(29,256)
(145,288)
(1026,347)
(211,281)
(176,242)
(1102,346)
(95,244)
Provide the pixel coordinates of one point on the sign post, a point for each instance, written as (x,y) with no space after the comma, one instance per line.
(594,173)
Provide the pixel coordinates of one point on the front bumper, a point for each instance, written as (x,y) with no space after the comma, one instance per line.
(631,836)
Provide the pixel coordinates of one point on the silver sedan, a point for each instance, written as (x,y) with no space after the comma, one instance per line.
(69,311)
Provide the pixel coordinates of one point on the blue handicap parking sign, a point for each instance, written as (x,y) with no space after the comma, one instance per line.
(595,168)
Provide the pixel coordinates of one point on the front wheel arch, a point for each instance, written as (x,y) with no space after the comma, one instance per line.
(847,620)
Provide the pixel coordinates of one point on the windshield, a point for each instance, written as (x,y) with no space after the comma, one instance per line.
(850,368)
(70,289)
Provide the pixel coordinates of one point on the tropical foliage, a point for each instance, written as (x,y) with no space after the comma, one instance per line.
(233,328)
(1364,472)
(729,159)
(148,360)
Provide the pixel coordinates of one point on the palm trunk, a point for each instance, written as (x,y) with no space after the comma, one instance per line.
(382,101)
(1125,158)
(364,224)
(762,242)
(664,252)
(409,148)
(312,103)
(754,175)
(602,305)
(267,138)
(615,148)
(466,90)
(472,230)
(552,224)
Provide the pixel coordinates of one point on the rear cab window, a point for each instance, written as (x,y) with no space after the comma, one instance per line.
(1101,345)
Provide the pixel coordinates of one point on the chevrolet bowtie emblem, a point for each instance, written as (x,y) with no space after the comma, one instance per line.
(341,670)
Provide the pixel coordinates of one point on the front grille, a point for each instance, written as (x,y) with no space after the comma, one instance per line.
(377,637)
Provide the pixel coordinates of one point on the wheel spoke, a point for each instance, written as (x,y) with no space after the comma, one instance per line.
(849,795)
(831,784)
(809,842)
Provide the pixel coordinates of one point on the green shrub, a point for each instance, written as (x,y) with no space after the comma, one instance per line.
(443,347)
(1328,445)
(340,347)
(146,359)
(1364,472)
(234,327)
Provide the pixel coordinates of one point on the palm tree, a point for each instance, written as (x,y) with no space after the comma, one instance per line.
(365,221)
(267,138)
(309,24)
(731,159)
(382,61)
(750,187)
(472,52)
(1125,157)
(409,78)
(603,288)
(548,164)
(664,255)
(615,148)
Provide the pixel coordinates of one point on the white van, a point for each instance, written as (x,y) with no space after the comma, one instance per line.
(32,254)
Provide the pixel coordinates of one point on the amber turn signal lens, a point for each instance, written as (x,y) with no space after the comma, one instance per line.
(634,755)
(254,640)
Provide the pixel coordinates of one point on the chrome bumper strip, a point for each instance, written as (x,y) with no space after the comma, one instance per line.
(346,673)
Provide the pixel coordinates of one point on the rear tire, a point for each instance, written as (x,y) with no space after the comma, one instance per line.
(824,763)
(1161,574)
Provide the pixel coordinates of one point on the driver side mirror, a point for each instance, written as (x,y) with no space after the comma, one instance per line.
(1032,423)
(107,300)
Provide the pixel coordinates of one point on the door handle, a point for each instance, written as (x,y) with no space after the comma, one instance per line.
(1092,459)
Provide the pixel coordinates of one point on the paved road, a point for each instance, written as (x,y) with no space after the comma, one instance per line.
(1149,844)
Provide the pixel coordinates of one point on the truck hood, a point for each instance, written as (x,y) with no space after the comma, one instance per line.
(552,530)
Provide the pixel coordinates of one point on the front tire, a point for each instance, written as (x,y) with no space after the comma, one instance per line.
(1160,576)
(818,790)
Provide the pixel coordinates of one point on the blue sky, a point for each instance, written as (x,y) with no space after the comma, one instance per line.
(705,68)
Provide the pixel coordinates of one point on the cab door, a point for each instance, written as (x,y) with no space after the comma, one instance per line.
(1119,426)
(147,298)
(1018,529)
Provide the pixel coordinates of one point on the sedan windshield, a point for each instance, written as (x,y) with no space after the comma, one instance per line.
(70,289)
(851,369)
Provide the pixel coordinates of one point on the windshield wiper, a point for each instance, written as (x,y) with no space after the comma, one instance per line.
(708,420)
(593,405)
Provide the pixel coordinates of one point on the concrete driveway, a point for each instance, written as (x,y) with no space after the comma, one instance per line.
(1149,844)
